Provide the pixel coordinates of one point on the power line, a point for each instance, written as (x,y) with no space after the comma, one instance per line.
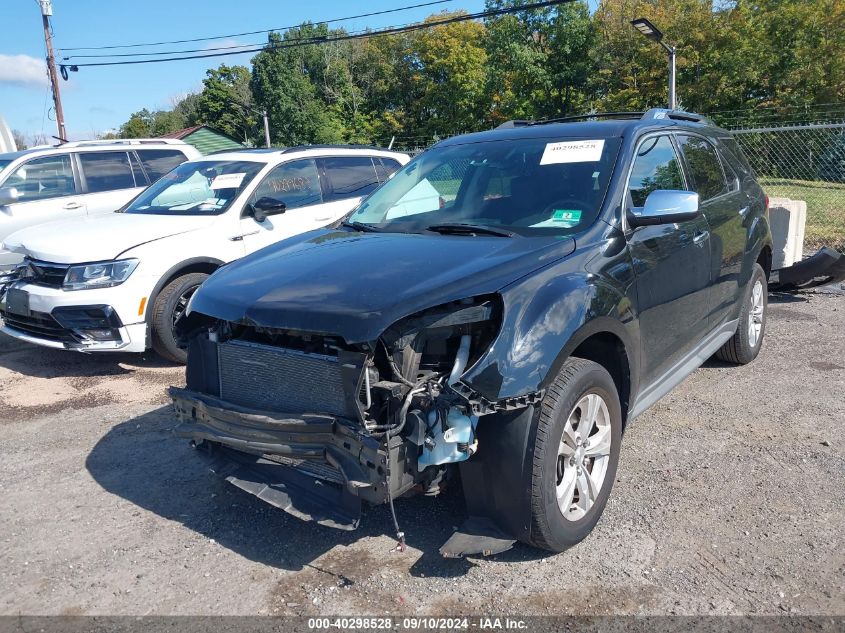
(282,28)
(345,37)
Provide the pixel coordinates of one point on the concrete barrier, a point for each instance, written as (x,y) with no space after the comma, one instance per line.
(788,219)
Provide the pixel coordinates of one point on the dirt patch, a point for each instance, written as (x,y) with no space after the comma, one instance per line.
(37,382)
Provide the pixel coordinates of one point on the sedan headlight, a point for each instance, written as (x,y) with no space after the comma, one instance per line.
(99,274)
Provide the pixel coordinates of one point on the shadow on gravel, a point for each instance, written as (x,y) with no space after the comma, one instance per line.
(43,362)
(786,297)
(141,461)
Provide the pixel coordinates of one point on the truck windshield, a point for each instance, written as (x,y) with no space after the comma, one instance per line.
(196,188)
(531,186)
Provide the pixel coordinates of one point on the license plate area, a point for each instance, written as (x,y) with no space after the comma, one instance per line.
(17,302)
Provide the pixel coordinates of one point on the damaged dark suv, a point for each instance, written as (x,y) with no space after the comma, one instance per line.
(495,313)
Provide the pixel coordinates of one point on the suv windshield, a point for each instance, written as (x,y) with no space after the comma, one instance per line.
(527,186)
(196,188)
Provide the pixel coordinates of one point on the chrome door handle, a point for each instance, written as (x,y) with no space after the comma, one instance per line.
(72,205)
(700,237)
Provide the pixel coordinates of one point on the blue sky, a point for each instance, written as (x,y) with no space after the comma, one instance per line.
(98,99)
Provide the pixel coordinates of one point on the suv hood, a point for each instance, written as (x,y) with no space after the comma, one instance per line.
(98,238)
(356,285)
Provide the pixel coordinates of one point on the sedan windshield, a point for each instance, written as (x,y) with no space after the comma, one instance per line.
(524,186)
(196,188)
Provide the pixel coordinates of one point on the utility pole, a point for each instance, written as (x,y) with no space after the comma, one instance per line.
(46,12)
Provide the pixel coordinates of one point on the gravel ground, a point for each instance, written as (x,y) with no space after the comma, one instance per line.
(730,499)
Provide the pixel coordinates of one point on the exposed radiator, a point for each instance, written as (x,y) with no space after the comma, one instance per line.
(277,379)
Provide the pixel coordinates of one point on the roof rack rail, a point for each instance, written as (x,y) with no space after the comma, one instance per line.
(575,117)
(124,141)
(229,150)
(299,148)
(675,115)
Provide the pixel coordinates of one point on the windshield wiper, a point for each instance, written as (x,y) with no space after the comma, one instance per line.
(360,226)
(456,228)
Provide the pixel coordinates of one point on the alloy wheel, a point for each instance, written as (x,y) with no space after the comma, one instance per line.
(755,314)
(583,456)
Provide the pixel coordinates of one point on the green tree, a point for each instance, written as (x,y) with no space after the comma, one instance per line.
(138,126)
(539,60)
(226,103)
(448,72)
(282,79)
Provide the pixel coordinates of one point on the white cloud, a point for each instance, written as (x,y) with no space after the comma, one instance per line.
(23,70)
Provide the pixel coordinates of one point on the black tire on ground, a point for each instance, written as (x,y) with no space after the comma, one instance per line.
(739,349)
(171,298)
(576,379)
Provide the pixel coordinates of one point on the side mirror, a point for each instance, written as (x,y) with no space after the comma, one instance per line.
(8,195)
(265,206)
(665,206)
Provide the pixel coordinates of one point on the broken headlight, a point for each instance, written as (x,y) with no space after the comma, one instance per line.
(445,339)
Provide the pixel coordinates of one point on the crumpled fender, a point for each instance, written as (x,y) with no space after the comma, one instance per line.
(546,316)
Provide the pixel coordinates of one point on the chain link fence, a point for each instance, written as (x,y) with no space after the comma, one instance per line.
(803,162)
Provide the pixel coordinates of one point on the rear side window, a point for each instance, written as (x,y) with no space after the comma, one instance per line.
(107,171)
(158,162)
(655,167)
(43,178)
(350,176)
(385,167)
(137,171)
(705,168)
(735,154)
(296,183)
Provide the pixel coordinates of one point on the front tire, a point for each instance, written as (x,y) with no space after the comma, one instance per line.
(167,309)
(576,452)
(746,342)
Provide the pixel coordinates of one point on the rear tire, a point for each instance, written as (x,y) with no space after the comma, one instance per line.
(746,342)
(168,307)
(575,454)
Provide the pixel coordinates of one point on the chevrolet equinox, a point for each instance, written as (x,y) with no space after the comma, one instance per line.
(494,314)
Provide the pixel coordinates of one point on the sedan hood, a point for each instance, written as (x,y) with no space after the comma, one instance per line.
(356,285)
(98,238)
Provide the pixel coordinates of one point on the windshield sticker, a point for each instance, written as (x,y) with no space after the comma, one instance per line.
(566,217)
(227,181)
(561,219)
(587,151)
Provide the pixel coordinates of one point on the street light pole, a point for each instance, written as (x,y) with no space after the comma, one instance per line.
(46,12)
(266,127)
(647,29)
(672,100)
